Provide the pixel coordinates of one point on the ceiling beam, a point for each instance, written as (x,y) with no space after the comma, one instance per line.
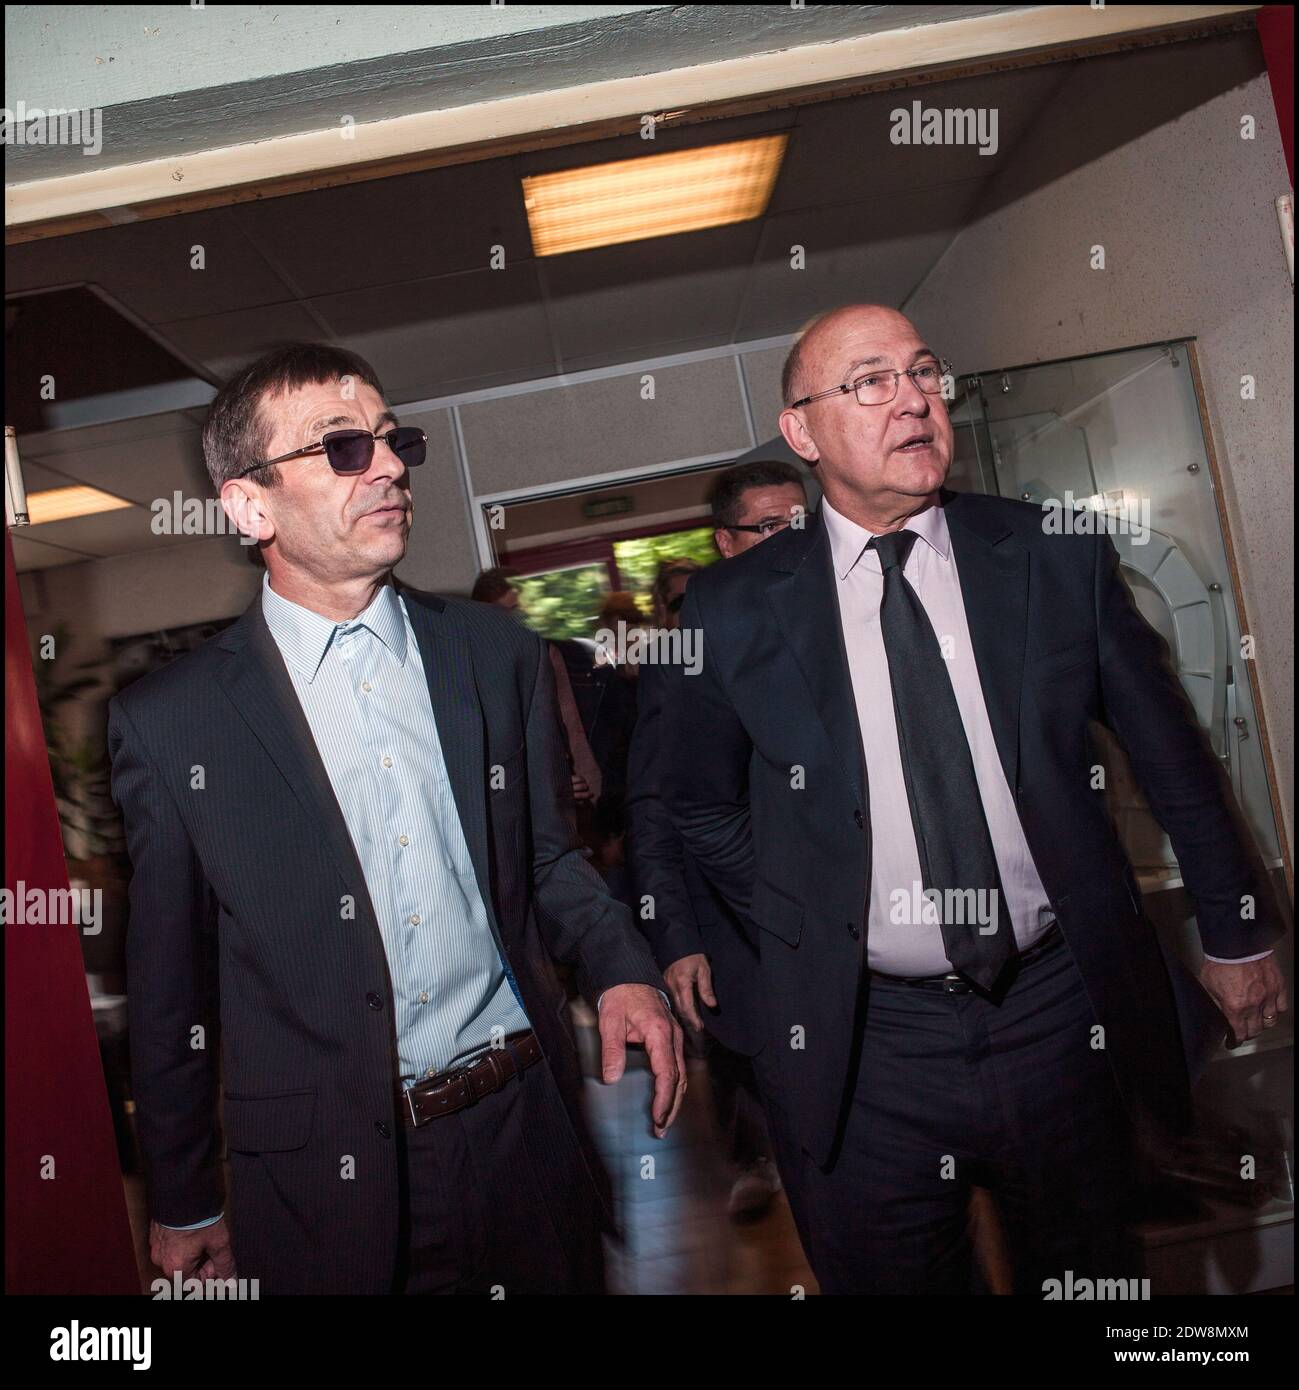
(406,144)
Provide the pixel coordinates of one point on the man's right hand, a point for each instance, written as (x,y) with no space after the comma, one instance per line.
(684,977)
(202,1254)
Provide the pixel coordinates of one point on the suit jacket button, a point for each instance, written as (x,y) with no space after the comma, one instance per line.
(857,816)
(852,930)
(374,1001)
(382,1127)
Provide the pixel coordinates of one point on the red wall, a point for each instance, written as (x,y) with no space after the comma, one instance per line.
(1276,34)
(69,1234)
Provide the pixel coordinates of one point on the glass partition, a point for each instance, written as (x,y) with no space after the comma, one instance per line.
(1121,432)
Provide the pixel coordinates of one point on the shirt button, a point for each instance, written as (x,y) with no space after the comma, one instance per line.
(387,762)
(414,919)
(423,996)
(365,685)
(432,1071)
(403,839)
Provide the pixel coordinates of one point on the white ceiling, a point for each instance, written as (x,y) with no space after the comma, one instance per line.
(398,271)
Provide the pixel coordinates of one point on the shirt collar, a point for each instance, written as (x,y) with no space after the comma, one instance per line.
(303,636)
(848,541)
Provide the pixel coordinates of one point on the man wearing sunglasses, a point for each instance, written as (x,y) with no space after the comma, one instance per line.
(349,816)
(884,766)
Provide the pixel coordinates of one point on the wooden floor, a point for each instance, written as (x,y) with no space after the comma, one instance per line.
(670,1201)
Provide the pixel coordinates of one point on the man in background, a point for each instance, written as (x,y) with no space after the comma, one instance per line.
(693,934)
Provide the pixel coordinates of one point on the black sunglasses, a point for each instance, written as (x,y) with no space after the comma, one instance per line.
(352,451)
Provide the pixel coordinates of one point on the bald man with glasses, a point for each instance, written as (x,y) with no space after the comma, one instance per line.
(883,766)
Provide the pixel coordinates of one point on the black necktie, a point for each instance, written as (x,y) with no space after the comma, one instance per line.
(946,810)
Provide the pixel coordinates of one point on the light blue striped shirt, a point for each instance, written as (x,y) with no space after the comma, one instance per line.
(365,695)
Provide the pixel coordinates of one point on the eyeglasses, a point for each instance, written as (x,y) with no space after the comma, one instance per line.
(763,528)
(352,451)
(879,388)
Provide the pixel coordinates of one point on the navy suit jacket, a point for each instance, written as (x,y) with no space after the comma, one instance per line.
(242,862)
(687,915)
(1058,642)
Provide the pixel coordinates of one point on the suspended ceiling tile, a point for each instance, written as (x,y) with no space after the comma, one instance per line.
(30,553)
(77,440)
(667,347)
(141,470)
(38,479)
(147,266)
(225,342)
(584,429)
(390,230)
(762,376)
(842,151)
(875,252)
(434,337)
(639,294)
(118,532)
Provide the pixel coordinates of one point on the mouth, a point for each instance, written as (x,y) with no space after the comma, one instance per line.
(917,444)
(395,508)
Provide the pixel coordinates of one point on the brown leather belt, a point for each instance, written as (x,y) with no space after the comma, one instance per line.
(954,984)
(450,1091)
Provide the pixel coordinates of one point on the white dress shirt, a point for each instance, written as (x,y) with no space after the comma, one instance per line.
(901,940)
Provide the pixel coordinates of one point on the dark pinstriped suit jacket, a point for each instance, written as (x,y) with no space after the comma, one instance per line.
(242,868)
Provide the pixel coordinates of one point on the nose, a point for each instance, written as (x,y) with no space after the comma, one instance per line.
(385,463)
(910,398)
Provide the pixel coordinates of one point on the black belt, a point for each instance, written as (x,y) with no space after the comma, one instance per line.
(450,1091)
(954,984)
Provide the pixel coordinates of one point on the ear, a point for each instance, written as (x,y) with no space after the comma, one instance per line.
(242,503)
(797,436)
(722,540)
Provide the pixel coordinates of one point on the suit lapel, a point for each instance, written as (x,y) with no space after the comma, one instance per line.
(993,571)
(258,684)
(806,605)
(457,712)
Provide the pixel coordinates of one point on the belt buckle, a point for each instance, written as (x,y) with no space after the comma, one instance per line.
(428,1083)
(953,984)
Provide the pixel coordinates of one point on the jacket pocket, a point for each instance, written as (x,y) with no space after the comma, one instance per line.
(776,912)
(1061,660)
(270,1123)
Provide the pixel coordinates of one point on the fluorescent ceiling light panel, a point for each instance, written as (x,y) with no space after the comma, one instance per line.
(63,503)
(654,195)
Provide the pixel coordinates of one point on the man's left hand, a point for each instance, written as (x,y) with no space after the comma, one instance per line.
(1250,993)
(637,1014)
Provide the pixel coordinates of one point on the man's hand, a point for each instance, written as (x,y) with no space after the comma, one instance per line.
(1250,993)
(637,1014)
(581,788)
(684,977)
(202,1254)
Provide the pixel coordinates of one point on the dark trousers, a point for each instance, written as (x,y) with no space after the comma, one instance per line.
(496,1198)
(954,1091)
(736,1103)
